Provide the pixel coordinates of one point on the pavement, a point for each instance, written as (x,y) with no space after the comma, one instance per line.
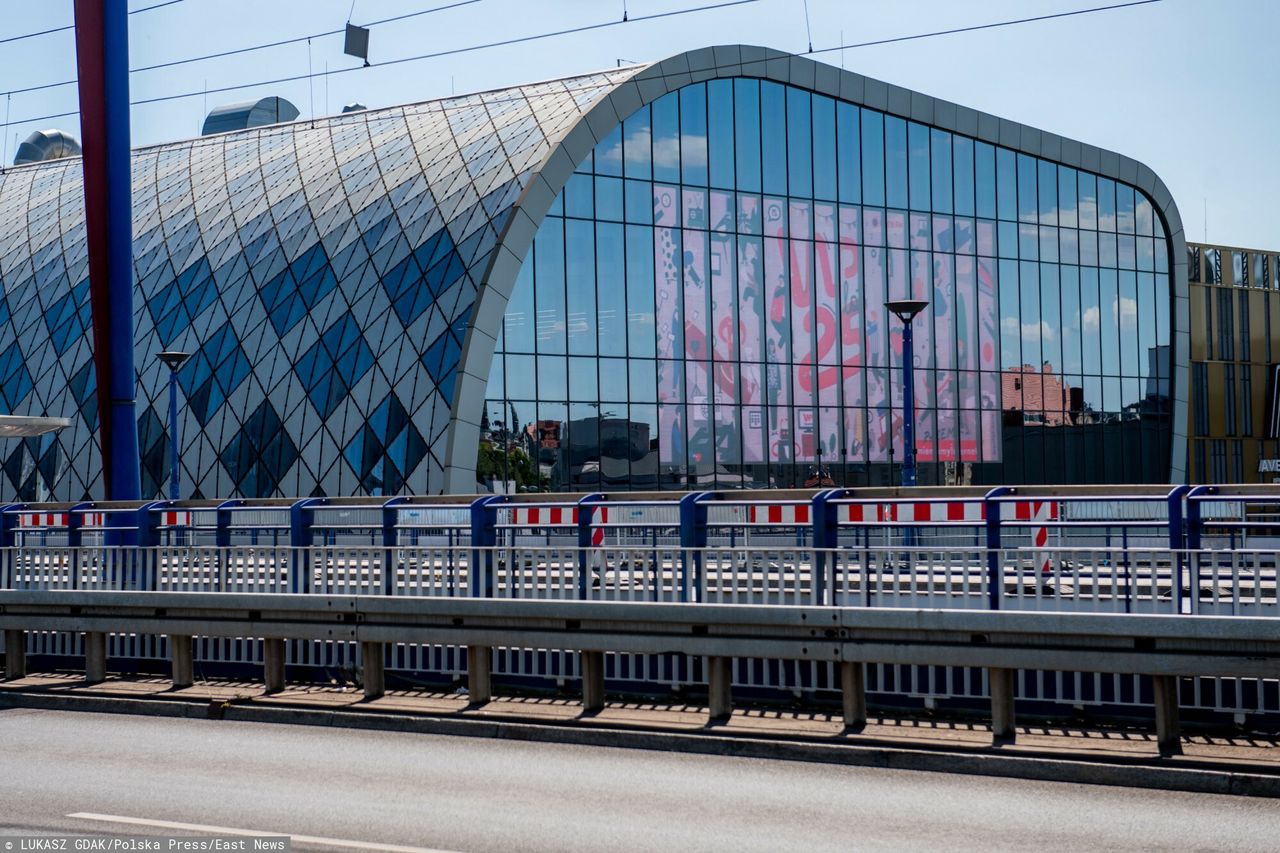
(116,776)
(1211,762)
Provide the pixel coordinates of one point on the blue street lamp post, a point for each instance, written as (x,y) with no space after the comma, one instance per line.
(906,311)
(174,360)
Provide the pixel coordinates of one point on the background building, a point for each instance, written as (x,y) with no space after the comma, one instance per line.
(674,273)
(1235,347)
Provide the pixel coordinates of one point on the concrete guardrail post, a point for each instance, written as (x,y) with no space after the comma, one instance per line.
(375,677)
(592,664)
(95,657)
(1003,726)
(853,686)
(273,664)
(15,654)
(479,674)
(1168,737)
(181,660)
(719,693)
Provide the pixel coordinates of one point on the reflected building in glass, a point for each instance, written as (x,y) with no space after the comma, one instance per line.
(668,276)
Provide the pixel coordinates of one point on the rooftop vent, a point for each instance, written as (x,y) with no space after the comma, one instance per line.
(46,145)
(272,110)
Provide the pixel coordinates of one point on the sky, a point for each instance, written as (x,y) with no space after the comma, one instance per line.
(1186,86)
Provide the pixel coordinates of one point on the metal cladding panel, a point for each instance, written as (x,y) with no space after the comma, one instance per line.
(323,276)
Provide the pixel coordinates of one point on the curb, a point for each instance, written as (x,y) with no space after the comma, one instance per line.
(1044,767)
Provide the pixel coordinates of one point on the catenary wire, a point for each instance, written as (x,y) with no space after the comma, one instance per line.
(603,25)
(977,27)
(265,46)
(66,27)
(419,57)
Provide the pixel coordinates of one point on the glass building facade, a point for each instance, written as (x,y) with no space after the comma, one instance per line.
(704,306)
(1234,429)
(664,276)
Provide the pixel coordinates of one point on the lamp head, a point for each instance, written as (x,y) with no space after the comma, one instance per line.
(906,309)
(173,358)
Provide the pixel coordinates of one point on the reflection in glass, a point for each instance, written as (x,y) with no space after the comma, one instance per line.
(732,331)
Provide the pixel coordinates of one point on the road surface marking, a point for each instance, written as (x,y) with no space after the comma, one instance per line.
(226,830)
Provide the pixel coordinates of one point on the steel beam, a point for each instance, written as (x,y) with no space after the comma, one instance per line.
(102,59)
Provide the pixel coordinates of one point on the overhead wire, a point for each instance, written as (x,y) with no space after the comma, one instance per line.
(66,27)
(598,26)
(977,27)
(420,57)
(251,48)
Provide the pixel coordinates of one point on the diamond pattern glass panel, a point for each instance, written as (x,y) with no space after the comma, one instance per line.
(322,274)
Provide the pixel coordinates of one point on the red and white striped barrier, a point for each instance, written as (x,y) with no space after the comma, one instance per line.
(788,514)
(933,511)
(551,516)
(559,516)
(42,520)
(45,520)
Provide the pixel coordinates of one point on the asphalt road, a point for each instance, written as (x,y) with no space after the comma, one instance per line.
(375,789)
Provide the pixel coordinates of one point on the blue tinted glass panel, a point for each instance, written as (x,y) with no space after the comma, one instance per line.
(693,134)
(799,143)
(773,128)
(824,148)
(746,118)
(918,165)
(873,158)
(984,170)
(940,148)
(849,152)
(720,132)
(895,161)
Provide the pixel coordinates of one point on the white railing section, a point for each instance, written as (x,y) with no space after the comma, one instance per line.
(1095,579)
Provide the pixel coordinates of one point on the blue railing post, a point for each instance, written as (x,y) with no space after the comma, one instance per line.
(484,536)
(302,516)
(74,540)
(8,539)
(826,537)
(1194,521)
(995,576)
(222,523)
(586,514)
(693,538)
(390,539)
(144,556)
(1194,530)
(1176,544)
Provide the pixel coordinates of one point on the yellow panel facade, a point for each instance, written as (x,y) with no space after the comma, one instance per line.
(1235,345)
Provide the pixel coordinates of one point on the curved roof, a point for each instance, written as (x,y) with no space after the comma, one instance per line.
(343,280)
(651,82)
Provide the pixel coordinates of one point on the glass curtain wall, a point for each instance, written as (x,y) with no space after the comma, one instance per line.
(704,307)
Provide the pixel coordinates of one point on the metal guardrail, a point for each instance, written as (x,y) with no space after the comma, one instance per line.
(1132,580)
(1164,648)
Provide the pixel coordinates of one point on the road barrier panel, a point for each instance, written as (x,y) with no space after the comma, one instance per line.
(1002,643)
